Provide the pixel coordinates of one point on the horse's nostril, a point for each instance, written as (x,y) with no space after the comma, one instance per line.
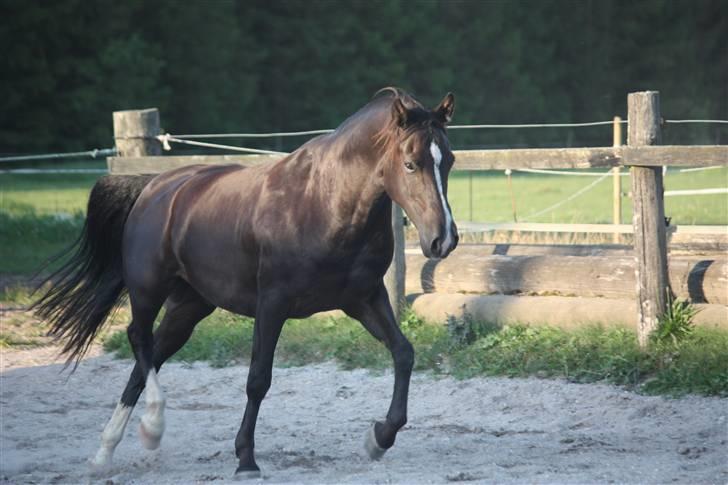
(436,246)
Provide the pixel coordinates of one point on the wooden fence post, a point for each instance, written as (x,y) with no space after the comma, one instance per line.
(395,277)
(650,243)
(135,133)
(616,181)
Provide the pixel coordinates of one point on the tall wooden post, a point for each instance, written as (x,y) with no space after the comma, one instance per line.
(616,181)
(395,277)
(135,132)
(650,243)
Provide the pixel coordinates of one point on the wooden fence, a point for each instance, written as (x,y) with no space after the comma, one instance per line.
(139,151)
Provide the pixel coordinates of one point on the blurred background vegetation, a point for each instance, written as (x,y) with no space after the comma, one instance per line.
(270,65)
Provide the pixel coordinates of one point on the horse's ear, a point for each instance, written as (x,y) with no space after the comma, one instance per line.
(446,108)
(399,112)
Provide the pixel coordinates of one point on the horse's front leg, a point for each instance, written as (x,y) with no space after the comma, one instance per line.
(377,317)
(269,320)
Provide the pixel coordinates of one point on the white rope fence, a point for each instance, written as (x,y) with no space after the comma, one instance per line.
(103,152)
(568,199)
(187,139)
(696,121)
(31,171)
(451,127)
(166,138)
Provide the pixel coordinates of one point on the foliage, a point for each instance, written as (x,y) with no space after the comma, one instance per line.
(279,65)
(589,354)
(677,323)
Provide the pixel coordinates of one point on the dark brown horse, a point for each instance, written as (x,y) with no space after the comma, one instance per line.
(309,233)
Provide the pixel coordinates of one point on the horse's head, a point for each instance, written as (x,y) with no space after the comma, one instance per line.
(416,168)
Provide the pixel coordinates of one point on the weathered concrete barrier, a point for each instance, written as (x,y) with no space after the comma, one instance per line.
(558,311)
(472,270)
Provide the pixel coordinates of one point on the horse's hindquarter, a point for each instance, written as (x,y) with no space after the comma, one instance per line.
(189,224)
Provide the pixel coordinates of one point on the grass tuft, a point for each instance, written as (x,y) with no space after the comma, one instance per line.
(677,323)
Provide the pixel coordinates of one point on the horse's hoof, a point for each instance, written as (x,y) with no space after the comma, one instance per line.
(149,440)
(371,446)
(101,460)
(242,474)
(100,465)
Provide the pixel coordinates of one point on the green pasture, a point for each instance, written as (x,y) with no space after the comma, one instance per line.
(40,214)
(485,197)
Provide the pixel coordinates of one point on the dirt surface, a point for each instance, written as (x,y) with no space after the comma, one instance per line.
(312,425)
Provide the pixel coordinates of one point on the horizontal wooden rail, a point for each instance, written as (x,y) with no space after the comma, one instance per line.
(545,158)
(648,156)
(137,165)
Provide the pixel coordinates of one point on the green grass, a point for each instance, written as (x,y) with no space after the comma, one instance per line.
(491,200)
(45,194)
(27,241)
(698,364)
(40,214)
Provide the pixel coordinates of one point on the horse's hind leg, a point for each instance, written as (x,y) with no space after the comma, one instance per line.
(185,308)
(377,317)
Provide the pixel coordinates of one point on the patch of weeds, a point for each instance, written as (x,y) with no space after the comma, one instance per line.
(586,355)
(697,364)
(465,330)
(16,294)
(677,323)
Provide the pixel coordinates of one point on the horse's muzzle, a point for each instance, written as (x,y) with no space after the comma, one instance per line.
(441,245)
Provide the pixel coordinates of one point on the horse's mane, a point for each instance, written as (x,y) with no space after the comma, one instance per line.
(376,125)
(419,117)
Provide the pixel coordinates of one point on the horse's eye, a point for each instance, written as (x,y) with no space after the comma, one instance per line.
(410,167)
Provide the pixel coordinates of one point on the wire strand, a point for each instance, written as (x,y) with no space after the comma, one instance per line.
(451,127)
(697,121)
(254,135)
(535,125)
(165,139)
(568,199)
(51,156)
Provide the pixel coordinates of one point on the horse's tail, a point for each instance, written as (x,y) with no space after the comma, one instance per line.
(85,290)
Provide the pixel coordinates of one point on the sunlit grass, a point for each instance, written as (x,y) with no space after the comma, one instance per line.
(490,198)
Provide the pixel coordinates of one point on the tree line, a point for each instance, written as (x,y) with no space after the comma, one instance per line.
(279,65)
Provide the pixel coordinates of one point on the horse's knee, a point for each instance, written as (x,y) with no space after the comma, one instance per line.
(404,356)
(258,383)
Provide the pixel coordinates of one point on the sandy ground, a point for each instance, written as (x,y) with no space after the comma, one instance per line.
(312,425)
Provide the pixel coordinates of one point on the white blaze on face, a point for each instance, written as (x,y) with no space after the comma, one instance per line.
(437,158)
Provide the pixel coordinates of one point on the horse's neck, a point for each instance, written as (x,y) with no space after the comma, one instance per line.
(339,175)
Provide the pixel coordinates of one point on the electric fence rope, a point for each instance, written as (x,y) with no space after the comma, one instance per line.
(451,127)
(167,138)
(568,199)
(187,139)
(103,152)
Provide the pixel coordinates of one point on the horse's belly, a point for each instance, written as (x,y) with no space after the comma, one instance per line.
(324,290)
